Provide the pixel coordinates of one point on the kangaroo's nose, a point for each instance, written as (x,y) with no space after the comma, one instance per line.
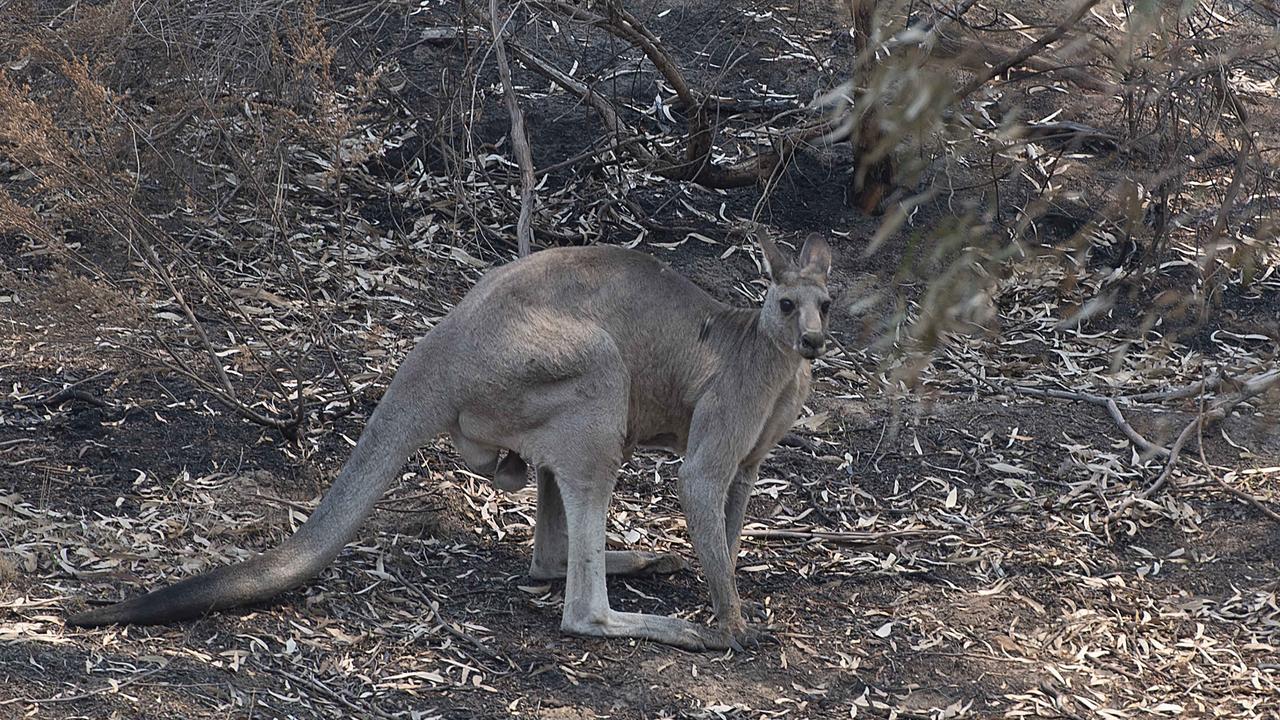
(813,340)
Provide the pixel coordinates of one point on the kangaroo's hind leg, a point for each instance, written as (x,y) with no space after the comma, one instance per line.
(580,442)
(551,549)
(585,486)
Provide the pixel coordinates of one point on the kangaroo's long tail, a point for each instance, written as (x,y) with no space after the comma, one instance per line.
(412,412)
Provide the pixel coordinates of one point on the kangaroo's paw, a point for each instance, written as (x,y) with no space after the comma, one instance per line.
(742,638)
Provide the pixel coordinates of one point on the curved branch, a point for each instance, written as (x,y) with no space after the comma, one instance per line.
(697,165)
(1027,52)
(706,173)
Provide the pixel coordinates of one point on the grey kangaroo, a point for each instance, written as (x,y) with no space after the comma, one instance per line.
(568,359)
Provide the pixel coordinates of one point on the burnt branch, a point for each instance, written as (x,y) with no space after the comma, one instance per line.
(1027,52)
(1213,412)
(696,166)
(749,171)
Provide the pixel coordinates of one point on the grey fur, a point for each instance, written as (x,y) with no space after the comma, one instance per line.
(567,360)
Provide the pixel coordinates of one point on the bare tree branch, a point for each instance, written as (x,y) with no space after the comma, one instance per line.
(697,165)
(519,138)
(1027,52)
(1113,409)
(1222,483)
(746,172)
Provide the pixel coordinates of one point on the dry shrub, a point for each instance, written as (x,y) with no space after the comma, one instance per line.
(136,123)
(1180,170)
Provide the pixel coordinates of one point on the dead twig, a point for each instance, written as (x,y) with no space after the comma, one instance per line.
(593,152)
(68,393)
(798,441)
(1113,409)
(696,166)
(851,537)
(979,53)
(1179,393)
(519,137)
(73,392)
(334,695)
(141,233)
(110,687)
(1255,385)
(432,604)
(1222,482)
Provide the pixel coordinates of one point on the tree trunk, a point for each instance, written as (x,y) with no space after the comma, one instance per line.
(873,176)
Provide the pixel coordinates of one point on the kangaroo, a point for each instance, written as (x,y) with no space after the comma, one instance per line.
(567,360)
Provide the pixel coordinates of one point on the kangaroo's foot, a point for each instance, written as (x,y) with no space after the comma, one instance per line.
(742,637)
(658,628)
(618,562)
(667,630)
(755,611)
(733,629)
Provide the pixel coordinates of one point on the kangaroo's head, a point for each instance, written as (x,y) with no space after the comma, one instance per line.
(796,305)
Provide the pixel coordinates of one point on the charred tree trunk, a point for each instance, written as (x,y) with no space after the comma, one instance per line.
(873,171)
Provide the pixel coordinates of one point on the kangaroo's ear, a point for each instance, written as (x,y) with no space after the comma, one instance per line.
(815,257)
(777,262)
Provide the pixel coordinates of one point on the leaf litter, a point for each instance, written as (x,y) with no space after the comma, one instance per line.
(966,564)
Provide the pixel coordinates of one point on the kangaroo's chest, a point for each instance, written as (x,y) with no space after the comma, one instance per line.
(782,415)
(661,427)
(666,425)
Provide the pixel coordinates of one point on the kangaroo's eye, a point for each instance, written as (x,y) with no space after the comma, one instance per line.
(787,306)
(826,306)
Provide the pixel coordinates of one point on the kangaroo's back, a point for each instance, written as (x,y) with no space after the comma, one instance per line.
(656,317)
(626,291)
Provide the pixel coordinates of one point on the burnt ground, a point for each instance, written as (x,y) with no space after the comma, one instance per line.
(938,546)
